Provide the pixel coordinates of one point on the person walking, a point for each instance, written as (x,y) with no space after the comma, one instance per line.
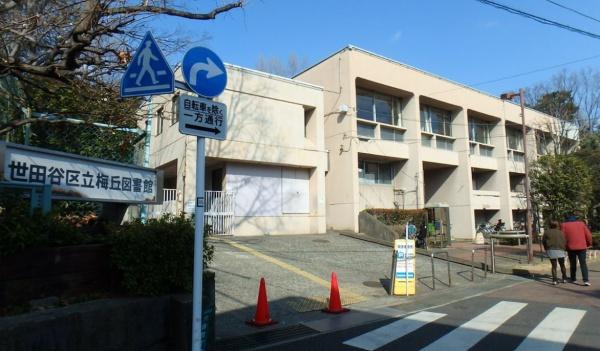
(555,244)
(579,238)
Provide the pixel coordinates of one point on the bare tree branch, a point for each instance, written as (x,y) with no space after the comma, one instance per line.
(173,12)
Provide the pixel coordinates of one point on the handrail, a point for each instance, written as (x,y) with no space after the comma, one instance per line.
(485,264)
(433,266)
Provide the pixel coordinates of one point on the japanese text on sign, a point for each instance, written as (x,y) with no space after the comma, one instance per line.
(202,117)
(74,177)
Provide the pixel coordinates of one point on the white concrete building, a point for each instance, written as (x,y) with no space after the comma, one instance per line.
(268,176)
(402,137)
(372,133)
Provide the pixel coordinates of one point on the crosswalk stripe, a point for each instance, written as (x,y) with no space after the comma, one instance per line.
(471,332)
(554,331)
(386,334)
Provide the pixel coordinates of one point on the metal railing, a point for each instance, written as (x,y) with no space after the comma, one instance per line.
(433,267)
(485,260)
(219,209)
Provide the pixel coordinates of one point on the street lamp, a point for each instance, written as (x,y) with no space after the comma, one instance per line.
(521,95)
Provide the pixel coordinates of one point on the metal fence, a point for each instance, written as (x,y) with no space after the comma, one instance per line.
(219,209)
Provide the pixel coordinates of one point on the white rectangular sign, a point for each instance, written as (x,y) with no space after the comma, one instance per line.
(202,117)
(75,177)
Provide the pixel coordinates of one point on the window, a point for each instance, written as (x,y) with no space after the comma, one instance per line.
(479,131)
(426,140)
(159,120)
(514,139)
(518,157)
(392,134)
(542,143)
(374,172)
(365,130)
(443,143)
(378,107)
(472,148)
(174,115)
(435,120)
(308,113)
(517,183)
(486,151)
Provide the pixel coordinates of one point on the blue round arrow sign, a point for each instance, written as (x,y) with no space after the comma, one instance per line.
(204,72)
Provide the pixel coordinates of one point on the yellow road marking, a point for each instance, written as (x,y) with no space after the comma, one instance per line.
(292,269)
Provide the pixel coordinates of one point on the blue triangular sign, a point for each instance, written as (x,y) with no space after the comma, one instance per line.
(148,73)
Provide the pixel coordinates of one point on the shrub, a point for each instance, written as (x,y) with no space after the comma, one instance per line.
(20,230)
(596,240)
(157,257)
(399,217)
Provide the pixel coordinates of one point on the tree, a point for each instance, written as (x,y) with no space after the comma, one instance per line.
(566,90)
(47,46)
(276,66)
(63,39)
(559,104)
(589,153)
(561,185)
(563,130)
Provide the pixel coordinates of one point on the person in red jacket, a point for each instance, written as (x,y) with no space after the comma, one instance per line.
(579,238)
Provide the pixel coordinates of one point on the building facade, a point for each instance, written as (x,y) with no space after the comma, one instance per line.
(267,176)
(354,131)
(399,137)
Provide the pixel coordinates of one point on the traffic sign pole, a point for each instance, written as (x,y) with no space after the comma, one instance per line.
(198,249)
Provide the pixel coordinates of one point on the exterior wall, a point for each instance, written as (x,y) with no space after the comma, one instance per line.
(342,176)
(266,128)
(429,176)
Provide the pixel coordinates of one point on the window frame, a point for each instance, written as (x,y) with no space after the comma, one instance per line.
(427,122)
(395,107)
(514,133)
(486,128)
(363,166)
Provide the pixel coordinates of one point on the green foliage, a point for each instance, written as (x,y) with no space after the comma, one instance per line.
(398,217)
(596,241)
(559,104)
(157,257)
(81,101)
(19,230)
(561,185)
(589,153)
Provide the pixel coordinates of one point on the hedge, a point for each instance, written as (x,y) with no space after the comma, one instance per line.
(157,257)
(399,217)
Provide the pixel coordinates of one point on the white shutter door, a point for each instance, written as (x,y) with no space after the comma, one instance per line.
(257,188)
(295,190)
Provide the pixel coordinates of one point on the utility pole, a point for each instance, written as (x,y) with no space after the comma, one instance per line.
(529,220)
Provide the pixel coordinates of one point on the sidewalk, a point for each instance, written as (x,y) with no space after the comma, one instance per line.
(510,259)
(297,270)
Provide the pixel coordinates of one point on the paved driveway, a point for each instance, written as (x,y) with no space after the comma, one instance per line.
(297,270)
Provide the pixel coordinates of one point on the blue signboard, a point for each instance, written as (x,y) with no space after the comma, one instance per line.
(204,72)
(148,73)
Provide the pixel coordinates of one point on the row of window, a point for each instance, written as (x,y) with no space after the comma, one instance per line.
(385,109)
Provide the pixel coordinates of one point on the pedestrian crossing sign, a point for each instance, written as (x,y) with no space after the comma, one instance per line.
(148,73)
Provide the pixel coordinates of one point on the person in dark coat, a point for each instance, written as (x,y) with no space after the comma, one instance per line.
(555,244)
(579,238)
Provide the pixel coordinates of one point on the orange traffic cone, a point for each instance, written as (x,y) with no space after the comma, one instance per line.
(335,303)
(261,317)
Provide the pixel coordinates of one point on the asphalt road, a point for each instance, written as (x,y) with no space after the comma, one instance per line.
(530,316)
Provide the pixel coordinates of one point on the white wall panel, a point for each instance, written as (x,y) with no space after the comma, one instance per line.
(258,189)
(295,190)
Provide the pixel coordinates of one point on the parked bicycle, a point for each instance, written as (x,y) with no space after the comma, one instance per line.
(486,229)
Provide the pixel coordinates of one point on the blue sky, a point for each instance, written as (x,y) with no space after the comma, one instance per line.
(462,40)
